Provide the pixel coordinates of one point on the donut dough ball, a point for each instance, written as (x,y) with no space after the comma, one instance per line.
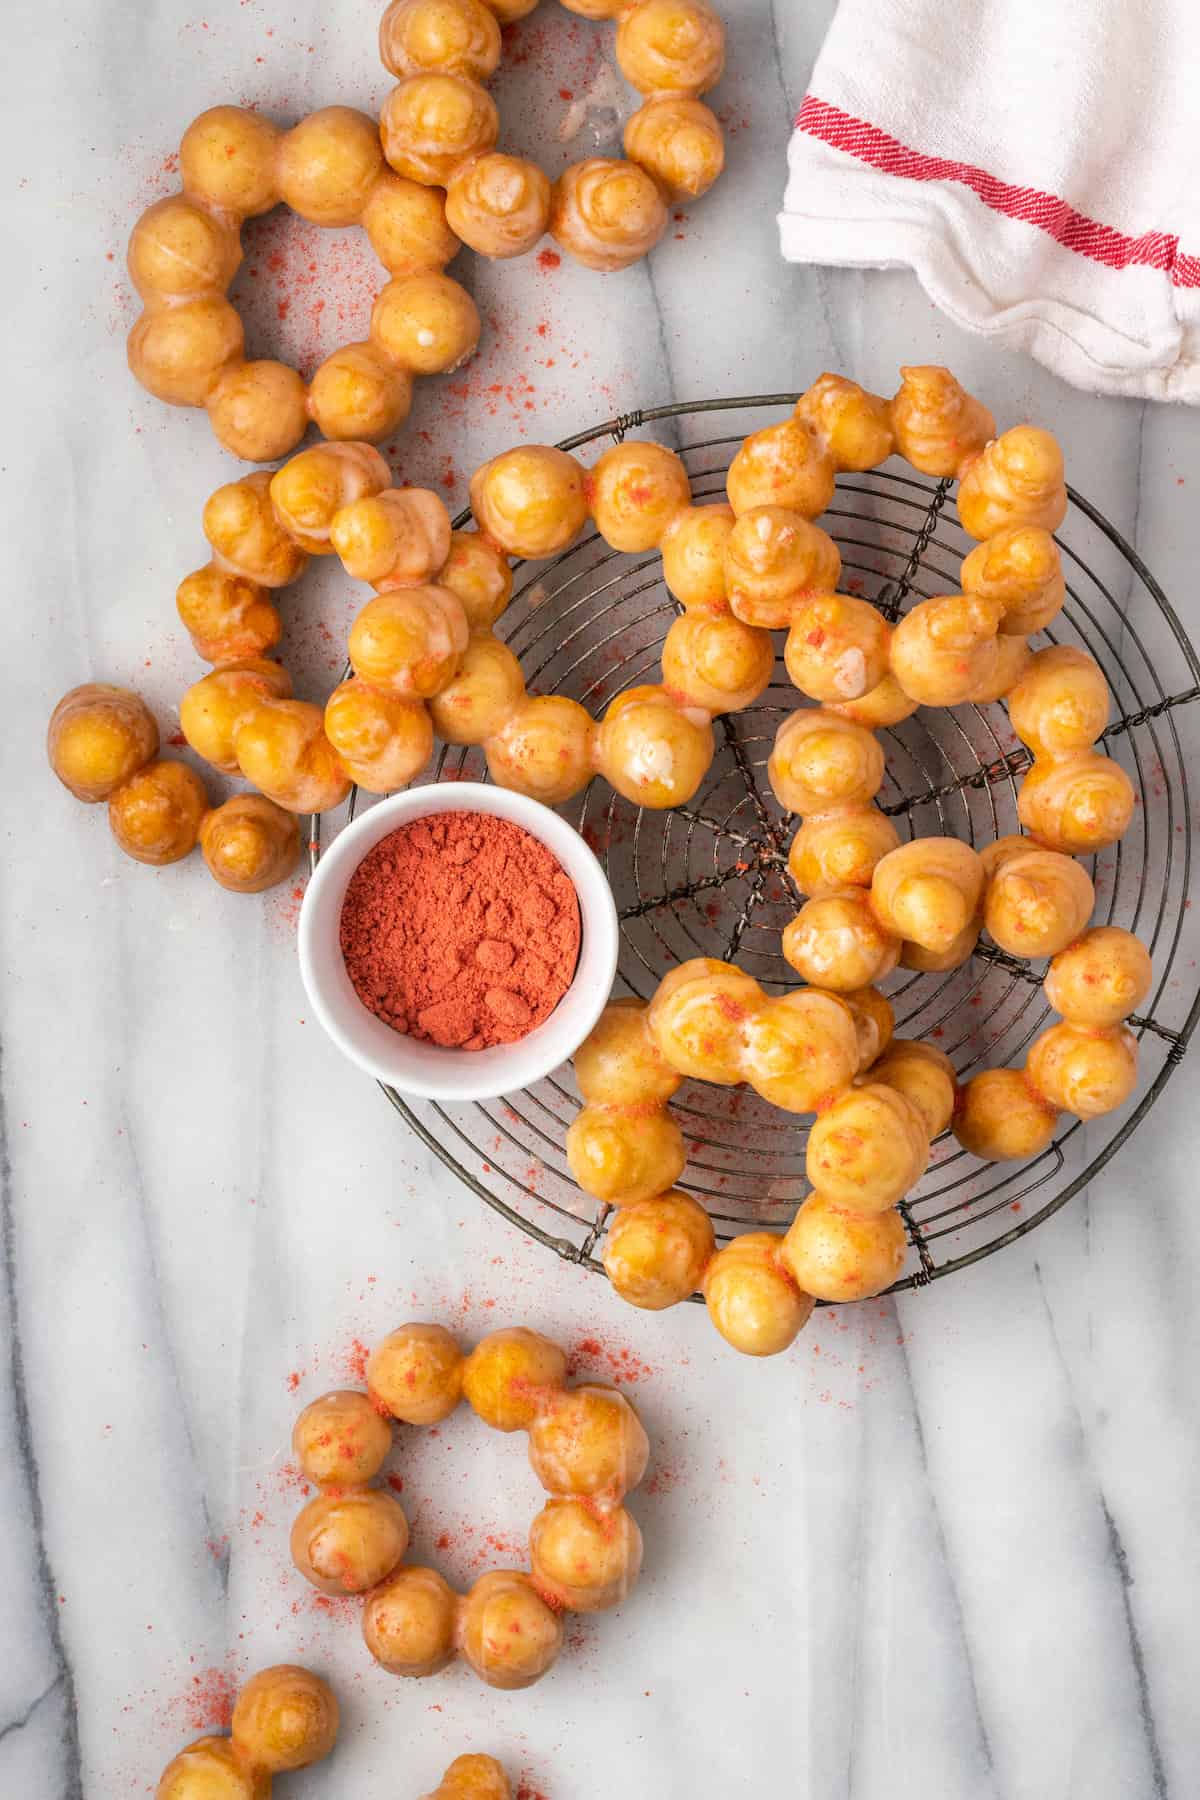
(781,465)
(511,1375)
(155,816)
(454,37)
(1083,1071)
(239,522)
(228,157)
(477,572)
(282,750)
(544,749)
(944,649)
(836,942)
(178,352)
(406,224)
(510,1636)
(606,213)
(416,1374)
(714,663)
(751,1299)
(178,248)
(840,849)
(1037,901)
(671,46)
(678,141)
(381,741)
(285,1718)
(328,164)
(582,1559)
(399,538)
(837,647)
(1001,1118)
(1078,804)
(693,556)
(856,425)
(620,1158)
(228,618)
(839,1255)
(98,737)
(868,1149)
(699,1017)
(618,1063)
(408,641)
(211,1769)
(474,1778)
(1020,566)
(489,685)
(939,427)
(409,1622)
(498,204)
(635,490)
(249,844)
(1017,479)
(928,890)
(821,760)
(358,393)
(653,752)
(341,1440)
(259,410)
(1061,702)
(430,123)
(1101,978)
(588,1441)
(346,1543)
(213,707)
(775,560)
(656,1252)
(425,322)
(531,501)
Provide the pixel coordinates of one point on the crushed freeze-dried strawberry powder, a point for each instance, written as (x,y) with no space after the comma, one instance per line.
(461,929)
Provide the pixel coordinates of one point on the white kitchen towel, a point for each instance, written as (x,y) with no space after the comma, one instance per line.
(1036,162)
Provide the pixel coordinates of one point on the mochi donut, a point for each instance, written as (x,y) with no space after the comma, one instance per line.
(587,1448)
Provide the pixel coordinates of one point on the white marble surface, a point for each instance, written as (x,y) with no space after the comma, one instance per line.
(946,1548)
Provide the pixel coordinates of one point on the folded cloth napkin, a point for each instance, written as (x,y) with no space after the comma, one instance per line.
(1036,162)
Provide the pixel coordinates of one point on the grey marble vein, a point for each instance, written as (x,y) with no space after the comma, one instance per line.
(68,1774)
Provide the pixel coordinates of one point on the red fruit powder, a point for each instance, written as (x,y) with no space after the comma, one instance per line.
(461,929)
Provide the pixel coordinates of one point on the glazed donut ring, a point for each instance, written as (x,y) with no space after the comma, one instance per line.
(439,126)
(188,347)
(587,1448)
(878,1106)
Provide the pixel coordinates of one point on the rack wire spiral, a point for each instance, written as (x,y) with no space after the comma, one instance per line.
(711,878)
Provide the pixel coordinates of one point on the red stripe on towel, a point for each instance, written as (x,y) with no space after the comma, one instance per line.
(1074,230)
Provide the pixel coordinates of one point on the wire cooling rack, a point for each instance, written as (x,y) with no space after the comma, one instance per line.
(711,878)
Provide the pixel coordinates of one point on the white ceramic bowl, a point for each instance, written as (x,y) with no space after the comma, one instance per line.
(428,1070)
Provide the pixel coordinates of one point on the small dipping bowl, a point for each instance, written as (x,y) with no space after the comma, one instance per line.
(413,1065)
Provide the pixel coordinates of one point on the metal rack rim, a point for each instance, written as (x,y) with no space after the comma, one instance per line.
(1002,768)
